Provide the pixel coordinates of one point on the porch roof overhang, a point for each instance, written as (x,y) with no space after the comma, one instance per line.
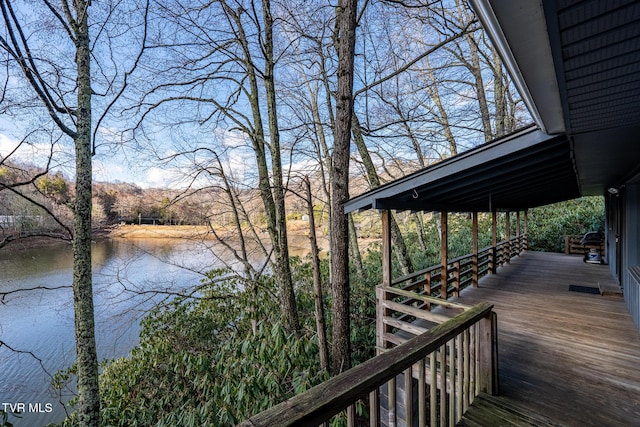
(576,64)
(526,169)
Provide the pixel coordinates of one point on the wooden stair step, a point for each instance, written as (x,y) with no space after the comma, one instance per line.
(494,411)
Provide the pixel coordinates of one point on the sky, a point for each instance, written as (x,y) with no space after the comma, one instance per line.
(107,167)
(117,162)
(124,164)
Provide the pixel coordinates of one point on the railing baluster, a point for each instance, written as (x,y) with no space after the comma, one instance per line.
(433,389)
(427,288)
(476,359)
(467,374)
(422,399)
(459,377)
(456,278)
(452,381)
(408,396)
(351,415)
(374,408)
(391,393)
(485,355)
(443,385)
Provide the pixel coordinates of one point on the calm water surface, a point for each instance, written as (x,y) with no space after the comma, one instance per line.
(38,324)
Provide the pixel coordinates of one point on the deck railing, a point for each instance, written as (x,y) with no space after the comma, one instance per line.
(463,271)
(573,245)
(408,305)
(434,355)
(442,370)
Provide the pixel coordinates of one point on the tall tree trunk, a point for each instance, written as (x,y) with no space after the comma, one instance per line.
(273,202)
(512,110)
(321,328)
(355,249)
(434,93)
(346,35)
(322,148)
(287,295)
(476,70)
(417,218)
(499,94)
(474,67)
(86,357)
(402,254)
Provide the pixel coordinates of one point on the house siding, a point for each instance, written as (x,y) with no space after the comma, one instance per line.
(631,249)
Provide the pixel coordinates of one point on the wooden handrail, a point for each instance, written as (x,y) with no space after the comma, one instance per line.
(483,252)
(416,274)
(424,298)
(320,403)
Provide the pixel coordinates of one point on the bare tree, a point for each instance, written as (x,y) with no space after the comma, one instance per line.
(374,182)
(50,50)
(74,121)
(222,71)
(344,37)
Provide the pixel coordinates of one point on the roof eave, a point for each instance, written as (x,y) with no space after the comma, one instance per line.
(519,34)
(481,156)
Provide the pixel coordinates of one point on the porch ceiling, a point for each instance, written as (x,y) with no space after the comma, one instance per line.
(523,170)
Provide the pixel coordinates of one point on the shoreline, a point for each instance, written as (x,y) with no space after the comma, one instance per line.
(298,236)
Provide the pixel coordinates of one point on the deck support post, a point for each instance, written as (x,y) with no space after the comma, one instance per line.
(518,235)
(487,354)
(444,249)
(381,312)
(526,231)
(474,249)
(494,242)
(507,231)
(386,247)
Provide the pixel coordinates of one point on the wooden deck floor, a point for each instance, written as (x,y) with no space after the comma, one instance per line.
(570,356)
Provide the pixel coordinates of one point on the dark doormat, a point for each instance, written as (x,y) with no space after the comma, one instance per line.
(584,289)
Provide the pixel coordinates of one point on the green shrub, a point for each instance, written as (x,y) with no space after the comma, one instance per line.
(549,224)
(225,356)
(203,362)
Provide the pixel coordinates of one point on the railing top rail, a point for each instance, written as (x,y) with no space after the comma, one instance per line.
(321,402)
(416,274)
(451,261)
(425,298)
(460,258)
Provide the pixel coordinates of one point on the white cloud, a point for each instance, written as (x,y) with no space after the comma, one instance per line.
(155,177)
(231,138)
(6,145)
(110,171)
(37,149)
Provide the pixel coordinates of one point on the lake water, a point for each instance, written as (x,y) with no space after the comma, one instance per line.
(38,324)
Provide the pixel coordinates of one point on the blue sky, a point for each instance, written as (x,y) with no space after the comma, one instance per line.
(109,167)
